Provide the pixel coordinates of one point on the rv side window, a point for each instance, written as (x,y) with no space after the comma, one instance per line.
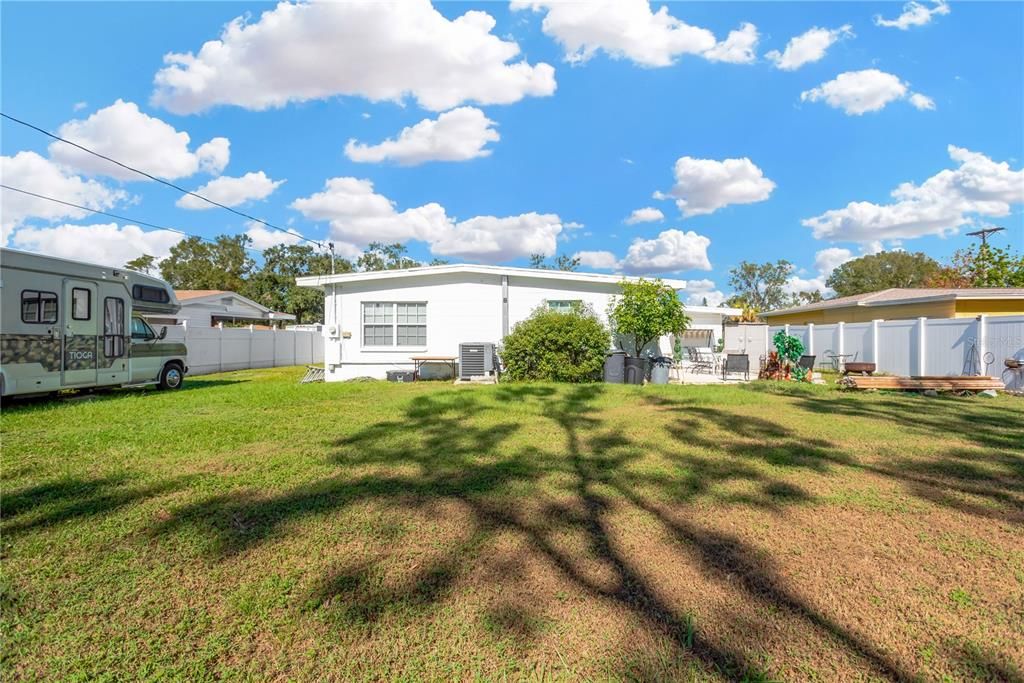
(152,294)
(38,307)
(113,327)
(81,303)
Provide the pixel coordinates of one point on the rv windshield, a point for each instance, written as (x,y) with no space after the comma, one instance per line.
(141,329)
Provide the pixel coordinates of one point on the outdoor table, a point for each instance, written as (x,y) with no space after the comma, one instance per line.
(419,361)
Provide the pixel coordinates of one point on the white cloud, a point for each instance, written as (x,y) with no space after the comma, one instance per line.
(697,291)
(739,47)
(358,216)
(457,135)
(122,132)
(938,206)
(808,47)
(705,185)
(601,260)
(263,237)
(231,191)
(32,172)
(859,92)
(629,29)
(825,261)
(648,214)
(489,238)
(380,51)
(914,14)
(922,102)
(78,106)
(670,251)
(104,243)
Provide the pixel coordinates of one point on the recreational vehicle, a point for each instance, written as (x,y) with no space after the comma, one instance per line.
(71,325)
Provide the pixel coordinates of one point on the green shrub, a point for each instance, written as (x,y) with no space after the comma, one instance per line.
(560,347)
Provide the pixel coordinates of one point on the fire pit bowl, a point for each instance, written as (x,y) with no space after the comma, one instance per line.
(857,368)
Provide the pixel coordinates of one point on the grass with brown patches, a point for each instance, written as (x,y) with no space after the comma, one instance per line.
(249,527)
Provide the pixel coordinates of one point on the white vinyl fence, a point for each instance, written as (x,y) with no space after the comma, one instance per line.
(219,349)
(925,346)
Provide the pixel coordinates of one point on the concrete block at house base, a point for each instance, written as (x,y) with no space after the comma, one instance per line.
(930,392)
(988,393)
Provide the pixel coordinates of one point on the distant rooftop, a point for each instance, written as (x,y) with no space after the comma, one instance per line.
(905,295)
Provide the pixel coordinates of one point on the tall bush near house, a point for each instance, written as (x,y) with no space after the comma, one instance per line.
(646,311)
(554,346)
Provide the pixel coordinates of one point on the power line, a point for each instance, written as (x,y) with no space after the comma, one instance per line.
(114,215)
(159,180)
(984,233)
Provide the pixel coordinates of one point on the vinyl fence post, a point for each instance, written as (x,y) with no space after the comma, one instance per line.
(220,346)
(922,346)
(874,343)
(252,329)
(295,348)
(841,327)
(982,342)
(810,339)
(273,362)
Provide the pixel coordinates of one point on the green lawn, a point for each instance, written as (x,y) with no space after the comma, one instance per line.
(248,527)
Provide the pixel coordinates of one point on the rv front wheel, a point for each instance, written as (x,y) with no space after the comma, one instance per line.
(171,377)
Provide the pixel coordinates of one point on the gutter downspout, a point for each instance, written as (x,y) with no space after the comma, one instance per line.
(504,306)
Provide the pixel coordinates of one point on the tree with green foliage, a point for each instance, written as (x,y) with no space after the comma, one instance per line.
(556,346)
(273,284)
(982,265)
(380,256)
(645,311)
(760,286)
(883,270)
(142,264)
(562,262)
(198,264)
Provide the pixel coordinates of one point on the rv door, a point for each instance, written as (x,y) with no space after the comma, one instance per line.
(80,338)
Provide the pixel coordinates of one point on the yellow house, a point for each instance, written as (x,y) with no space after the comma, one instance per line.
(896,304)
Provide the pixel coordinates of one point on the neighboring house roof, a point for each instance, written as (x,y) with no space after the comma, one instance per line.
(538,273)
(208,296)
(896,296)
(186,294)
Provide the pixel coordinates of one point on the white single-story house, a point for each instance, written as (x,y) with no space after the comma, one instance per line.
(210,307)
(377,321)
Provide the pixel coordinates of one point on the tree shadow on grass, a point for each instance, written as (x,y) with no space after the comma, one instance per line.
(455,447)
(72,498)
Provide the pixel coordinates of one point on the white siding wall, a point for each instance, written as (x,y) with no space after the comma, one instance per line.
(461,307)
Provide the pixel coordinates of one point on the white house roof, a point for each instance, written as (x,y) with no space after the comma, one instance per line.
(214,300)
(537,273)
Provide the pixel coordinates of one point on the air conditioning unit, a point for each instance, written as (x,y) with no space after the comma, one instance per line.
(476,359)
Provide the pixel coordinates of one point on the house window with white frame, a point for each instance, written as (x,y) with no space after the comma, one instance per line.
(566,306)
(397,324)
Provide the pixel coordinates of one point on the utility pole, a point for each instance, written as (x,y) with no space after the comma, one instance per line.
(984,233)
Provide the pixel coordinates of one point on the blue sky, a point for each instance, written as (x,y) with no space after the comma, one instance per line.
(593,112)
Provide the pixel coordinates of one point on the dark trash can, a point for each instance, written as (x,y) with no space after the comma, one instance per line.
(660,370)
(615,367)
(636,370)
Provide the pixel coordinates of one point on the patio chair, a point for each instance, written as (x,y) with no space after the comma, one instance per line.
(806,362)
(697,364)
(736,362)
(709,358)
(700,361)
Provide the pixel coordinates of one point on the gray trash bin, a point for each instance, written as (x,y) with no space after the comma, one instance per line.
(615,367)
(636,370)
(659,371)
